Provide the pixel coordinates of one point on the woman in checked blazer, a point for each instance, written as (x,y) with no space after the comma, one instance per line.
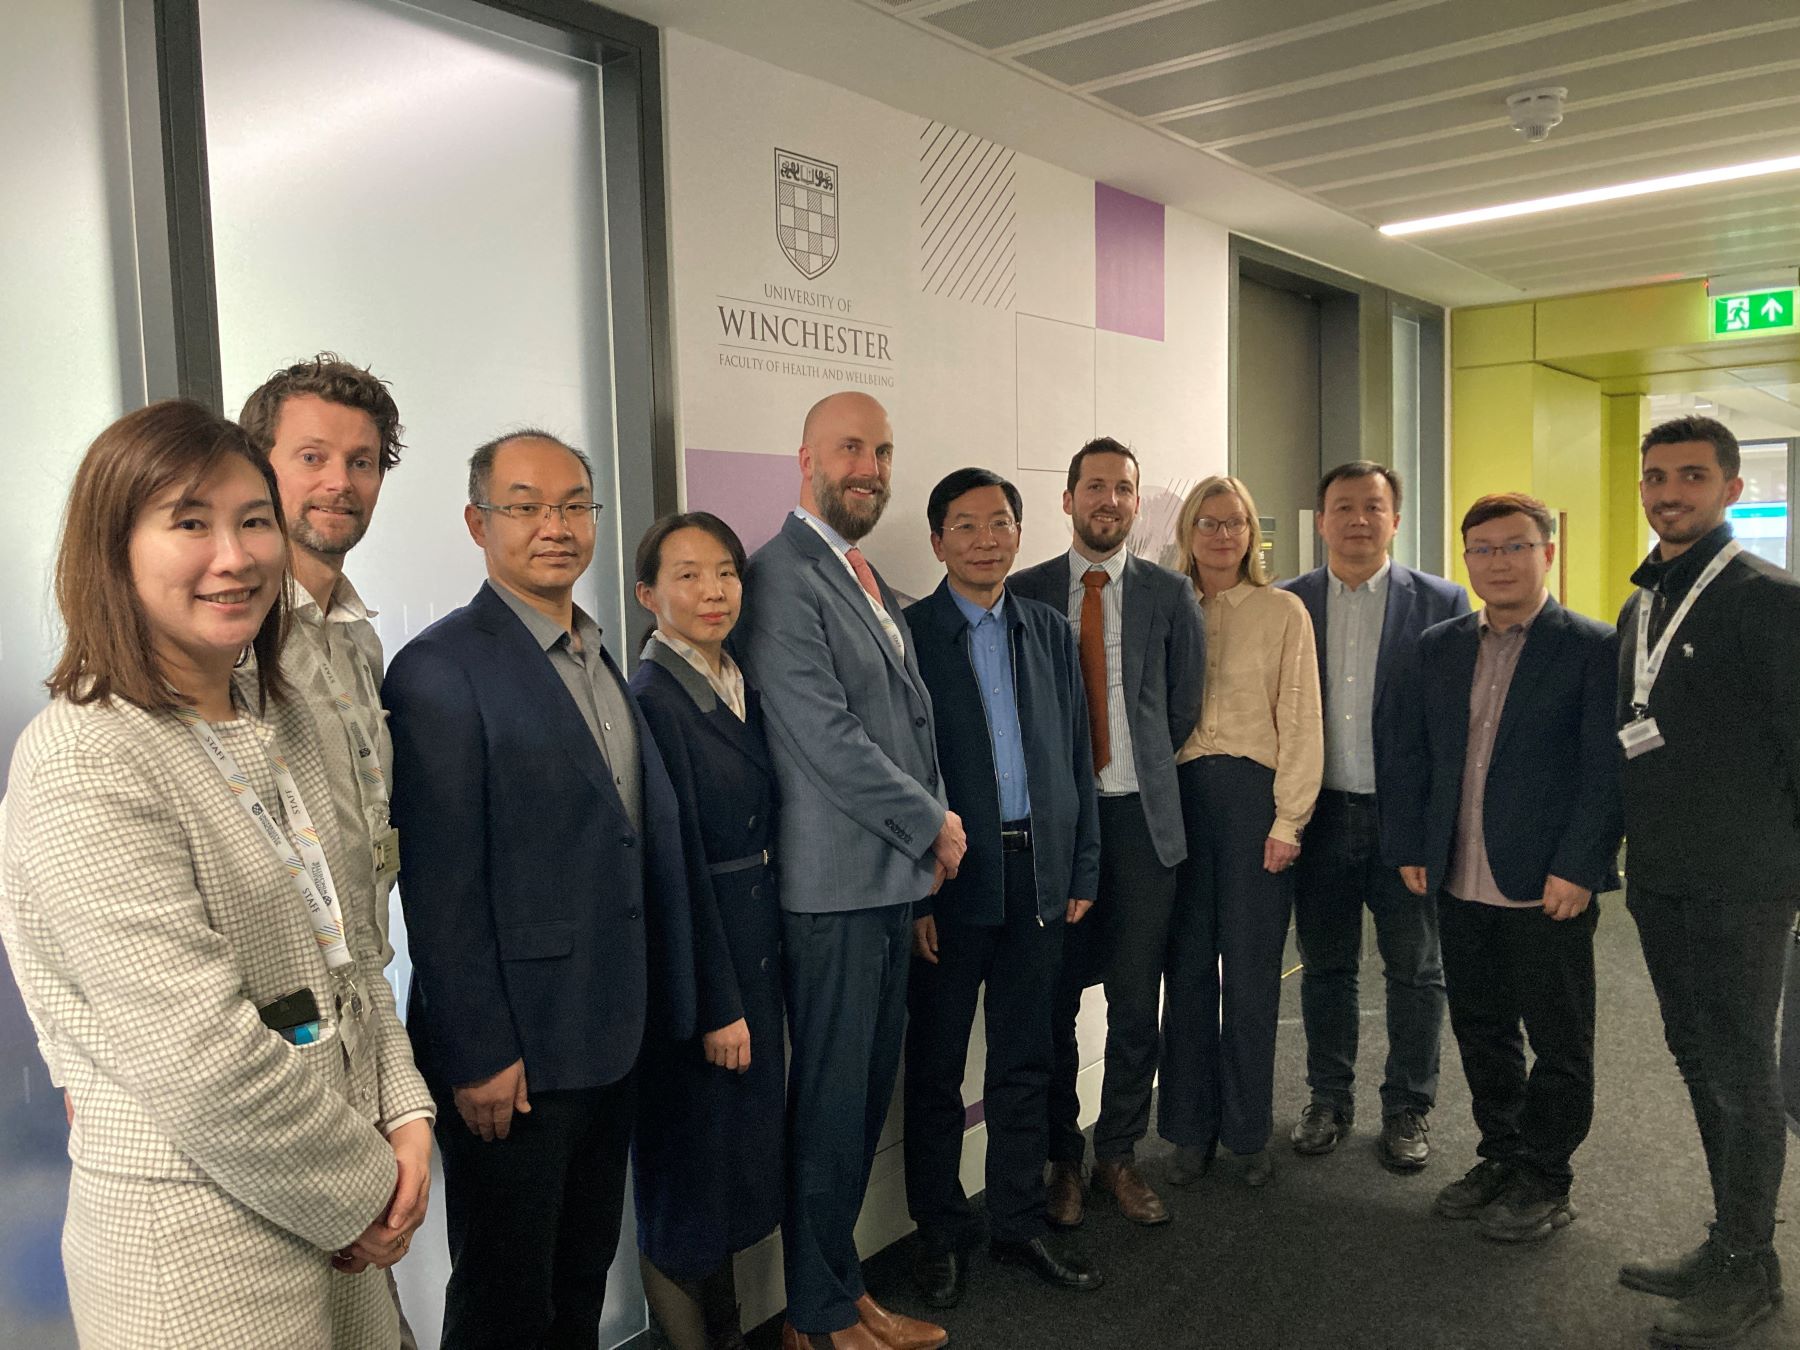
(249,1137)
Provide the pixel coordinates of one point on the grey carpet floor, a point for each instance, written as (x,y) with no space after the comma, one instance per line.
(1339,1254)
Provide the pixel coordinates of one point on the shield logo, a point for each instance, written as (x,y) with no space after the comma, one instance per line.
(806,212)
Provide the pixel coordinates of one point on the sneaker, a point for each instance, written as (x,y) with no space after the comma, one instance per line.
(1733,1295)
(1405,1144)
(1481,1185)
(1319,1128)
(1529,1210)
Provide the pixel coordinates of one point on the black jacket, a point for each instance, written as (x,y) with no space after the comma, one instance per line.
(1551,803)
(1059,760)
(1715,811)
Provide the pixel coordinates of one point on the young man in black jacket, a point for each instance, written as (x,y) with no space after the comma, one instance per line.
(1709,716)
(1013,744)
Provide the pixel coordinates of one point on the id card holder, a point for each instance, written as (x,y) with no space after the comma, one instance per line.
(387,855)
(1640,737)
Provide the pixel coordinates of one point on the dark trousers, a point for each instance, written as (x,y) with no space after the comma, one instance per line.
(1017,961)
(1717,968)
(1507,967)
(1223,995)
(846,999)
(1125,938)
(1340,871)
(1790,1038)
(533,1220)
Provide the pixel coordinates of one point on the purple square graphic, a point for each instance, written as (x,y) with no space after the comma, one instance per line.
(1128,263)
(752,493)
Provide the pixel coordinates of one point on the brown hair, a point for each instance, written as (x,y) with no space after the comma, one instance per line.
(1498,504)
(107,652)
(1253,568)
(330,377)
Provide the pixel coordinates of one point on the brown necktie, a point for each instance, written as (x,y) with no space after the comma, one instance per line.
(1093,664)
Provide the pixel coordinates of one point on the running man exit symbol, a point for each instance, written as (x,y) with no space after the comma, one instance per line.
(1752,313)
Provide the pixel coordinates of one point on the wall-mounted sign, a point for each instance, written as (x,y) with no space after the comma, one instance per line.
(1752,313)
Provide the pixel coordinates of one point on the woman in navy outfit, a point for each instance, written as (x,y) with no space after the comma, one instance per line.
(710,1125)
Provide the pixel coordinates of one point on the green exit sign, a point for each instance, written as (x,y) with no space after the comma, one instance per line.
(1752,313)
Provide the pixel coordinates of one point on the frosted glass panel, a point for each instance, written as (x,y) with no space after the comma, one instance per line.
(66,360)
(425,198)
(1406,434)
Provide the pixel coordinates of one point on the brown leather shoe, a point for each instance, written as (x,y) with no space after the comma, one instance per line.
(1137,1201)
(854,1337)
(896,1331)
(1063,1198)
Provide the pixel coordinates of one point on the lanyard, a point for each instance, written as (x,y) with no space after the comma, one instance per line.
(368,762)
(300,842)
(1649,663)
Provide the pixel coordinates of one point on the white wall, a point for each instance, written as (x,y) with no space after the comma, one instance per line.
(1013,371)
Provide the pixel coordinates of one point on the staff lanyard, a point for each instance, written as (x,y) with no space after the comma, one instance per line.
(297,848)
(368,762)
(1649,662)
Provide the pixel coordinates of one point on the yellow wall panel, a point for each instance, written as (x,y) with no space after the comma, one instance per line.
(1622,321)
(1491,336)
(1566,473)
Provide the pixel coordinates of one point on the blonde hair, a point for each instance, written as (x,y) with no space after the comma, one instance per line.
(1252,569)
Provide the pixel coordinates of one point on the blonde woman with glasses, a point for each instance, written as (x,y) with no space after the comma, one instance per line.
(1249,774)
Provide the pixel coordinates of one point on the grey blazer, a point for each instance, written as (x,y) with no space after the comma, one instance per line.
(1164,651)
(850,731)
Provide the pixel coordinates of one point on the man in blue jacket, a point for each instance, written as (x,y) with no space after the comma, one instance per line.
(1505,814)
(546,891)
(1013,744)
(1367,613)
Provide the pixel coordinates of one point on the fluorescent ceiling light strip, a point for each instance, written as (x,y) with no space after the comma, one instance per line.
(1589,196)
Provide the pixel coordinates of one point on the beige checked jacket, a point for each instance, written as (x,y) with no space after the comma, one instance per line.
(146,921)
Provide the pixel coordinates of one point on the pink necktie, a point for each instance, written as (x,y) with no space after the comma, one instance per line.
(864,573)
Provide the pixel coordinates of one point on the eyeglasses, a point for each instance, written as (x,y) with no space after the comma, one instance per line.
(1485,551)
(534,513)
(965,530)
(1212,525)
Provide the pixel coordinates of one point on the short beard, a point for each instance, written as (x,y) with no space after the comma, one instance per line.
(1084,531)
(837,511)
(312,541)
(1698,529)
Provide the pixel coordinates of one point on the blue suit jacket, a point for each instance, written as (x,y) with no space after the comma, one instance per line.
(850,730)
(1415,601)
(1059,758)
(1163,655)
(1552,803)
(541,922)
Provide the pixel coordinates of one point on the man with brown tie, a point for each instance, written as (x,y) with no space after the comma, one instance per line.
(1142,644)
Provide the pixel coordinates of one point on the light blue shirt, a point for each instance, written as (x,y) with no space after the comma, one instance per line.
(1353,621)
(991,653)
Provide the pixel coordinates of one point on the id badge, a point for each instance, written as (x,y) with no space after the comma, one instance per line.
(1640,737)
(387,854)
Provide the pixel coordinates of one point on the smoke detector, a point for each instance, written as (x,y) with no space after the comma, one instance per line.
(1535,111)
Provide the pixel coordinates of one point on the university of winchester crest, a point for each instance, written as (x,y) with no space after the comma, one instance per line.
(806,212)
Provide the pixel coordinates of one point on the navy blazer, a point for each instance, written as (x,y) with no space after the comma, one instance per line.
(1059,758)
(1163,655)
(1415,601)
(1551,804)
(541,922)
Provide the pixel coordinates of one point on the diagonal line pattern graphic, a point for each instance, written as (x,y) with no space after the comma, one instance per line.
(967,218)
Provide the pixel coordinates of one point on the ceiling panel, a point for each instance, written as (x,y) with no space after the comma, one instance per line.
(1392,109)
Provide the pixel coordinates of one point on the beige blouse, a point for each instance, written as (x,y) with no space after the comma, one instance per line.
(1262,696)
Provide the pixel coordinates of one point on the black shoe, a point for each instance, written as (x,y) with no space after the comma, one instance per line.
(1257,1169)
(1681,1277)
(1530,1210)
(940,1276)
(1190,1163)
(1055,1262)
(1405,1143)
(1733,1295)
(1319,1128)
(1480,1186)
